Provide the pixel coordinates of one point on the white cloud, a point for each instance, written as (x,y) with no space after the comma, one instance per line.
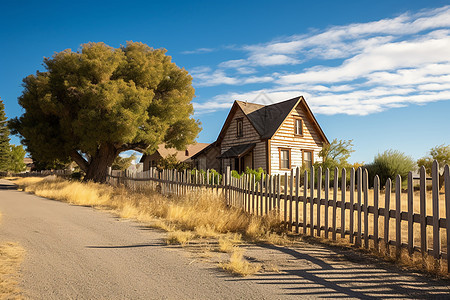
(199,51)
(376,66)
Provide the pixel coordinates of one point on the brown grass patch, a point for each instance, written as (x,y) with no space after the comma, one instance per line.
(239,265)
(11,256)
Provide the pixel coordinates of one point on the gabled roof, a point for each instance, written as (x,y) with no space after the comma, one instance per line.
(180,155)
(267,119)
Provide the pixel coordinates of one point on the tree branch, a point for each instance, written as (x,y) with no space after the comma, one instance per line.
(81,162)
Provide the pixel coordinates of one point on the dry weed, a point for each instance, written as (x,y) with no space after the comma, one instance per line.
(179,237)
(239,265)
(11,256)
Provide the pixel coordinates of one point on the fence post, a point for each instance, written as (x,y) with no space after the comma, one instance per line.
(291,196)
(297,191)
(423,212)
(447,211)
(410,214)
(227,184)
(327,189)
(376,194)
(305,200)
(267,195)
(387,209)
(366,208)
(261,183)
(319,196)
(343,191)
(435,197)
(398,220)
(352,203)
(278,201)
(311,207)
(359,192)
(285,196)
(335,191)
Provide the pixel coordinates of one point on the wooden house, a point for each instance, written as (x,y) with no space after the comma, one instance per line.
(151,160)
(276,138)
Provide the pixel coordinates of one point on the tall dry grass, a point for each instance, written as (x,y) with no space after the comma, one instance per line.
(11,256)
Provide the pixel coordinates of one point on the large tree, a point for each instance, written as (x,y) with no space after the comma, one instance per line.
(95,103)
(4,139)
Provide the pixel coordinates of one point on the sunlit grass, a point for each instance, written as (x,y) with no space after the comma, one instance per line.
(11,256)
(237,264)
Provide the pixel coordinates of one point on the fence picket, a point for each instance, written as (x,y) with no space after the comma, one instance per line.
(366,208)
(266,208)
(311,206)
(435,203)
(261,198)
(305,200)
(387,208)
(291,195)
(376,194)
(423,212)
(319,196)
(352,202)
(398,220)
(335,192)
(327,190)
(285,197)
(447,211)
(297,191)
(410,214)
(343,191)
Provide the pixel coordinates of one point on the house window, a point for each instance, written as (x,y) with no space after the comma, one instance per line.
(239,128)
(298,126)
(186,152)
(285,159)
(308,159)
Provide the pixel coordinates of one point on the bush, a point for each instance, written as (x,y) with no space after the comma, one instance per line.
(389,164)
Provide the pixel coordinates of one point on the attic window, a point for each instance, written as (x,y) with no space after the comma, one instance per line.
(298,126)
(239,128)
(186,152)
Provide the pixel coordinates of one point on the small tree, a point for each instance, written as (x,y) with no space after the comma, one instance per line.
(335,154)
(389,164)
(171,162)
(16,161)
(4,140)
(440,153)
(122,163)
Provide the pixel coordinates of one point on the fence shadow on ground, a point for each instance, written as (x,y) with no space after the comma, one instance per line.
(324,273)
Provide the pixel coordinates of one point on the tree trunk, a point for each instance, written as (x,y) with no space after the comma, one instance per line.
(98,166)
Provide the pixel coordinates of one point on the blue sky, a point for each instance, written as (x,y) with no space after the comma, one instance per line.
(377,72)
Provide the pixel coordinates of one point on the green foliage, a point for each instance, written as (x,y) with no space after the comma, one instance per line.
(389,164)
(171,162)
(202,173)
(100,101)
(122,163)
(16,163)
(440,153)
(4,140)
(257,174)
(336,154)
(235,174)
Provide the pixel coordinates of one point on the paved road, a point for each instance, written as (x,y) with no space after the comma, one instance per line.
(76,252)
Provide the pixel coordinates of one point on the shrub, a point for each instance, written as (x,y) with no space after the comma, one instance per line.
(389,164)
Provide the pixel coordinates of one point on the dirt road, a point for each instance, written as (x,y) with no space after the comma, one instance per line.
(76,252)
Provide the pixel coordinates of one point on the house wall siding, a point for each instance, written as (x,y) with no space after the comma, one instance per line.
(285,138)
(250,135)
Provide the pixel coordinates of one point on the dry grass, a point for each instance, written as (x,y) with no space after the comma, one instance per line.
(239,265)
(228,243)
(11,256)
(179,237)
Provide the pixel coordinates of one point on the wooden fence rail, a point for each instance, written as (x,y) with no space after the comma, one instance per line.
(343,206)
